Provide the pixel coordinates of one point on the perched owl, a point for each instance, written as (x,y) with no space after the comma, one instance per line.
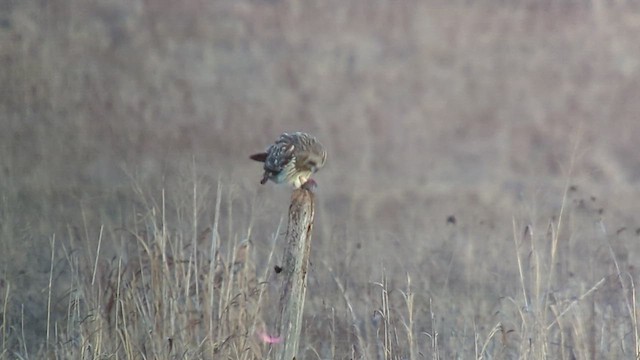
(292,159)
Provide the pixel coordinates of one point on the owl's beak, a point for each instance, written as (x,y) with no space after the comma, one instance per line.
(313,166)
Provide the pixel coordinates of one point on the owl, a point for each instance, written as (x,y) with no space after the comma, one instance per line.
(292,159)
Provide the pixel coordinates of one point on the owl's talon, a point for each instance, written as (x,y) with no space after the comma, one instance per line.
(310,185)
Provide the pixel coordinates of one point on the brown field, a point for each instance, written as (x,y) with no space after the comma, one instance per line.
(480,199)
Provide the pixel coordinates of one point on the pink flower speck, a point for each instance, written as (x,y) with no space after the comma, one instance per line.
(268,338)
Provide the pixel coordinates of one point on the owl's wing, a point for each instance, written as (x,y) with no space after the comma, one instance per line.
(279,156)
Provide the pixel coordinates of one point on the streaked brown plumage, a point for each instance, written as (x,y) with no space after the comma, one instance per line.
(292,159)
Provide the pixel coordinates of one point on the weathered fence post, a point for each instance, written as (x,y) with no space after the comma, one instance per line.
(294,268)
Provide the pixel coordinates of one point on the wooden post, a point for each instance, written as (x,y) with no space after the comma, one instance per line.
(294,268)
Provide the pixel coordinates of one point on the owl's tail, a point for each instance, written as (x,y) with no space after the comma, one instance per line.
(261,157)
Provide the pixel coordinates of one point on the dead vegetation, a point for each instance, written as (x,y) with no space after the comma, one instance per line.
(479,199)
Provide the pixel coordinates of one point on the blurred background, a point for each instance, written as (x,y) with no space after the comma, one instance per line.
(446,123)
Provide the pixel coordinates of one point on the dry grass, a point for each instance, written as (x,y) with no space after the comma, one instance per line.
(479,199)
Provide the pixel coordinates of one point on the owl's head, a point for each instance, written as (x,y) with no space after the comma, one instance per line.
(318,159)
